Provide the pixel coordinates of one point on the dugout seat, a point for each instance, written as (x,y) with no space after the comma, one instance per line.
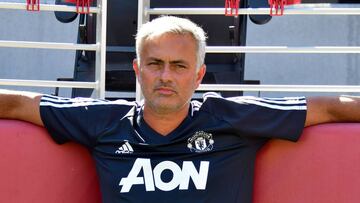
(35,169)
(322,167)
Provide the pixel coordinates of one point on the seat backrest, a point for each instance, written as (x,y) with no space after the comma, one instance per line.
(323,166)
(35,169)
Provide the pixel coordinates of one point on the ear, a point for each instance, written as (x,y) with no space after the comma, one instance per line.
(136,68)
(200,75)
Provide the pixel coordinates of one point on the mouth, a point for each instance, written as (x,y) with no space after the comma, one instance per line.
(166,91)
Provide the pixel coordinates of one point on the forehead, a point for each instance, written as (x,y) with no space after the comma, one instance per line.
(174,46)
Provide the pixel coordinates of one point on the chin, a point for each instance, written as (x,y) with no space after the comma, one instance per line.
(167,108)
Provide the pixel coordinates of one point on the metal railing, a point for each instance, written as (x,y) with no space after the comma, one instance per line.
(99,48)
(47,7)
(281,88)
(301,9)
(144,12)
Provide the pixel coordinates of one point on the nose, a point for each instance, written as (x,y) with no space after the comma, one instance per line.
(166,73)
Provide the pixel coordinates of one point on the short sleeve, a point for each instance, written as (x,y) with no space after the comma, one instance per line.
(282,118)
(80,119)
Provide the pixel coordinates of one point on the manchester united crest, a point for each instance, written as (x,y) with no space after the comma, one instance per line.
(200,142)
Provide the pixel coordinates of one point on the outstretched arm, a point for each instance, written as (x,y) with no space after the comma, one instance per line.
(332,109)
(21,106)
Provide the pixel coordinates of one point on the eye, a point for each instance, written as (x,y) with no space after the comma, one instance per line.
(153,63)
(181,66)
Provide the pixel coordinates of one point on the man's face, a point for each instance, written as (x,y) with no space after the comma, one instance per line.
(167,72)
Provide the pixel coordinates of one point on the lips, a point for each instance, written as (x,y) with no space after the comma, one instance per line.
(165,90)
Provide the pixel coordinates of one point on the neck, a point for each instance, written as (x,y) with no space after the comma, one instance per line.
(165,123)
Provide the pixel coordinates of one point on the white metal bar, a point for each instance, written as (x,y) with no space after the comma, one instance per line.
(46,83)
(209,49)
(143,17)
(48,45)
(100,65)
(45,7)
(301,9)
(280,88)
(283,49)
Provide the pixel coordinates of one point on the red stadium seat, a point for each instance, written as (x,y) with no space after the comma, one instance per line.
(323,166)
(35,169)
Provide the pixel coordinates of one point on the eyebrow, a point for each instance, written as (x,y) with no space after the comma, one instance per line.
(154,59)
(179,61)
(171,62)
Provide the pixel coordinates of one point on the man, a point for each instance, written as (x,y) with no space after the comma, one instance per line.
(168,148)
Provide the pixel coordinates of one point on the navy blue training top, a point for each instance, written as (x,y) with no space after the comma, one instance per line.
(208,158)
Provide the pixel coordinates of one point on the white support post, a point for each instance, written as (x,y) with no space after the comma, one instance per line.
(143,17)
(100,65)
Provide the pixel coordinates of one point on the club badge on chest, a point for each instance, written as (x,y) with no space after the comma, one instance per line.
(200,142)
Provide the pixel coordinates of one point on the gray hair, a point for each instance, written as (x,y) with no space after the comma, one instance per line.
(171,24)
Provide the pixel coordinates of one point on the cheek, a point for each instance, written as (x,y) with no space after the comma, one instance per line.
(147,81)
(190,84)
(144,76)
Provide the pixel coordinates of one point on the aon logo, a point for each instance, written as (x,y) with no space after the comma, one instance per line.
(152,176)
